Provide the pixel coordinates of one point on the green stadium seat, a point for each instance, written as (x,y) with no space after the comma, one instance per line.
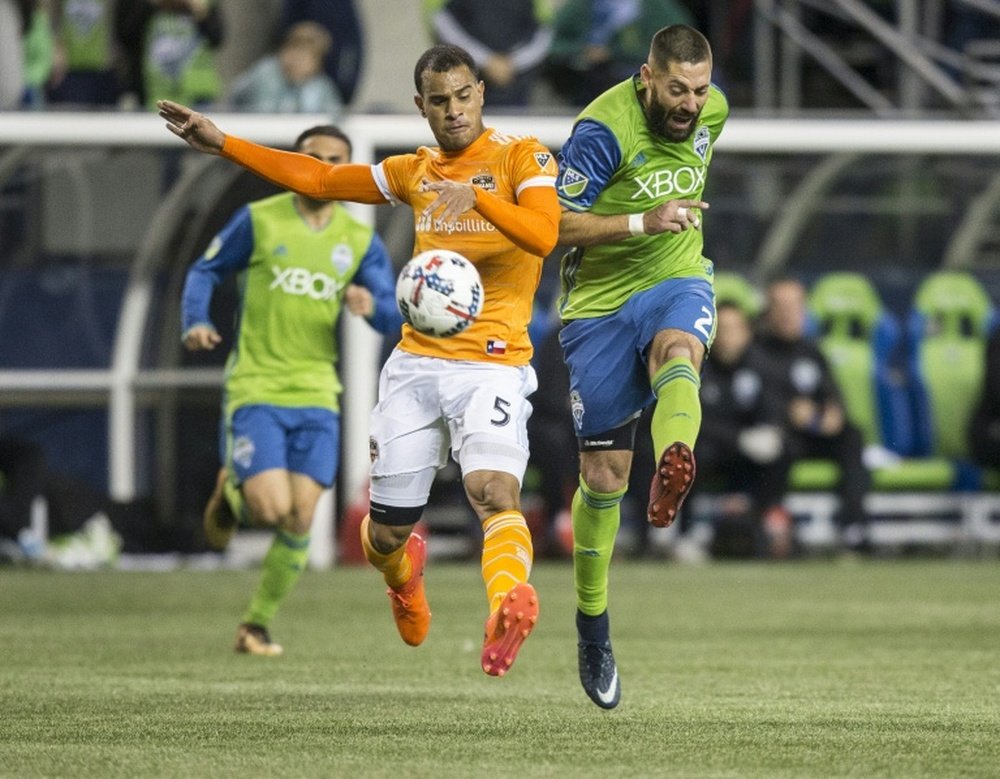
(861,341)
(951,320)
(733,288)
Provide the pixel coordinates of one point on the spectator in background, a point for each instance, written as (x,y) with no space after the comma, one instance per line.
(170,47)
(87,67)
(984,431)
(816,421)
(741,444)
(13,25)
(340,18)
(599,43)
(293,80)
(508,42)
(39,55)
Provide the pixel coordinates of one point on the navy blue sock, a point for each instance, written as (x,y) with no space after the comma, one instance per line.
(593,630)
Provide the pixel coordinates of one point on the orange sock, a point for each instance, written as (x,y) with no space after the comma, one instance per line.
(395,566)
(507,554)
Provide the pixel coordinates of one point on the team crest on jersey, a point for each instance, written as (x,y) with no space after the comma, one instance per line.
(243,450)
(485,181)
(573,183)
(702,139)
(372,448)
(543,159)
(576,404)
(342,258)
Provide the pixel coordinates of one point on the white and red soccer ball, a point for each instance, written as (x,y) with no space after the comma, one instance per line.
(439,293)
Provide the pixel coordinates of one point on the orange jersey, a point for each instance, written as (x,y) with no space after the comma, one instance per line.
(504,166)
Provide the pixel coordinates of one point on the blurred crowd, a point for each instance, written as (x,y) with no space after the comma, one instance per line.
(308,55)
(807,389)
(128,53)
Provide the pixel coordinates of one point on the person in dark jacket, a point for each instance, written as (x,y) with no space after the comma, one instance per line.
(741,446)
(815,417)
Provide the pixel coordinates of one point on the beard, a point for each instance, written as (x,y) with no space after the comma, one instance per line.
(658,119)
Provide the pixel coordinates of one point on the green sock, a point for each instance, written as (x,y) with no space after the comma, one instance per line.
(677,416)
(283,565)
(234,497)
(596,516)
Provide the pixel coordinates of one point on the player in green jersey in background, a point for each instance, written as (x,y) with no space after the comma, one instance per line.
(638,304)
(298,260)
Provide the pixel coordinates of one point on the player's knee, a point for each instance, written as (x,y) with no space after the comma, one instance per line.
(673,344)
(388,538)
(491,492)
(268,513)
(605,474)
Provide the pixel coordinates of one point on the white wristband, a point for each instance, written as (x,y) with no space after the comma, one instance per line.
(635,224)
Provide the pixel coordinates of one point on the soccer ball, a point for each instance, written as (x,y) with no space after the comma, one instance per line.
(439,293)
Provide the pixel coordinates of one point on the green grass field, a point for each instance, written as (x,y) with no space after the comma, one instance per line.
(815,669)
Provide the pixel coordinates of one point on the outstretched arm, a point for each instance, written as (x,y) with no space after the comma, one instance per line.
(298,172)
(197,130)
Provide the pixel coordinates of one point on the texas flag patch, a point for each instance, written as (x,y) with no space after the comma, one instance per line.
(496,347)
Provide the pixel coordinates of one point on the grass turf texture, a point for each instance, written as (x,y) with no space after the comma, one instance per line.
(812,669)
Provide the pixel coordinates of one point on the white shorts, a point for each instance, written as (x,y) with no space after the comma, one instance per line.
(428,406)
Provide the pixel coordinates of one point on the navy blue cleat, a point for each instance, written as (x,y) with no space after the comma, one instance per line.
(599,673)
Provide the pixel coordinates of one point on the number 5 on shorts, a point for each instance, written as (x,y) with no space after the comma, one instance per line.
(500,406)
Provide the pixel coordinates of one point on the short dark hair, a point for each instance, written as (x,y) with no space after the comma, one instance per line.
(329,130)
(678,43)
(441,59)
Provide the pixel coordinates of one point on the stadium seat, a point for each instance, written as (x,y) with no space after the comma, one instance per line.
(733,288)
(862,341)
(951,318)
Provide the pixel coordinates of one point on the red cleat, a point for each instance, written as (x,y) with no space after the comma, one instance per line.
(508,627)
(671,484)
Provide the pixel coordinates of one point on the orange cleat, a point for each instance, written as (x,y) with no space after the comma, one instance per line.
(409,603)
(508,627)
(255,640)
(671,484)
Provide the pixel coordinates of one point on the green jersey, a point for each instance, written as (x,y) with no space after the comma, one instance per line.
(613,164)
(291,281)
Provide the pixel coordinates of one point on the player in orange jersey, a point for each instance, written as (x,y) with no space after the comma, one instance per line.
(492,198)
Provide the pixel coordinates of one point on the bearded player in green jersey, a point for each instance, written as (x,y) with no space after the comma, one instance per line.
(638,304)
(298,260)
